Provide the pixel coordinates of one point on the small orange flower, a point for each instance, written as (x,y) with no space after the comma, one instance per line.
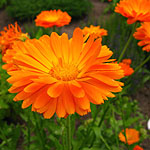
(125,65)
(134,10)
(132,136)
(10,35)
(52,18)
(99,32)
(137,147)
(143,34)
(64,76)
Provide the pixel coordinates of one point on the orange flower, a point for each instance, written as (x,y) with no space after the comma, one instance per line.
(143,34)
(99,32)
(131,134)
(137,147)
(10,35)
(52,18)
(125,65)
(134,10)
(63,76)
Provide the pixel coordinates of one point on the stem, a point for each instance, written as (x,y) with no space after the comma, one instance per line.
(5,138)
(106,144)
(128,42)
(68,127)
(139,66)
(38,132)
(29,132)
(116,135)
(123,119)
(100,123)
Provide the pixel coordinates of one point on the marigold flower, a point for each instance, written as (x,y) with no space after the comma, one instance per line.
(132,136)
(134,10)
(143,33)
(99,32)
(125,65)
(52,18)
(10,35)
(64,78)
(137,147)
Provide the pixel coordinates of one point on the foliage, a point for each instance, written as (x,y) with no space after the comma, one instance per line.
(3,3)
(28,9)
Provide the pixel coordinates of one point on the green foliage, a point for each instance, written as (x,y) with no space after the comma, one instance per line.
(3,3)
(28,9)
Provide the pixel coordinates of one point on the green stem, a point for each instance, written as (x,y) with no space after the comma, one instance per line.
(101,121)
(68,127)
(116,135)
(29,132)
(128,42)
(139,66)
(5,138)
(123,119)
(38,132)
(106,144)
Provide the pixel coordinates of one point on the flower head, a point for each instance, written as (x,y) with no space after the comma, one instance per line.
(134,10)
(64,76)
(125,65)
(99,32)
(52,18)
(10,35)
(137,147)
(132,136)
(143,34)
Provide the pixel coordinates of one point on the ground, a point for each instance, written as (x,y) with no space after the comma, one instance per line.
(142,95)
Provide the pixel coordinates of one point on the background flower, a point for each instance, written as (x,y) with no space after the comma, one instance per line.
(137,147)
(143,33)
(125,65)
(134,10)
(10,35)
(131,134)
(52,18)
(99,32)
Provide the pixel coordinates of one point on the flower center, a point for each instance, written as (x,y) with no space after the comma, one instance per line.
(52,18)
(65,72)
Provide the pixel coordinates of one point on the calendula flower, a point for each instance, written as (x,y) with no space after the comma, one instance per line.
(125,65)
(52,18)
(99,32)
(10,35)
(132,136)
(134,10)
(8,58)
(143,33)
(137,147)
(64,76)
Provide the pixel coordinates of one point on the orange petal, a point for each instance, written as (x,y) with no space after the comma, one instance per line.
(51,110)
(55,89)
(93,93)
(68,101)
(83,103)
(60,110)
(76,44)
(76,91)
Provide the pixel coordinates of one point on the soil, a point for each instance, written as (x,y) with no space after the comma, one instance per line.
(142,96)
